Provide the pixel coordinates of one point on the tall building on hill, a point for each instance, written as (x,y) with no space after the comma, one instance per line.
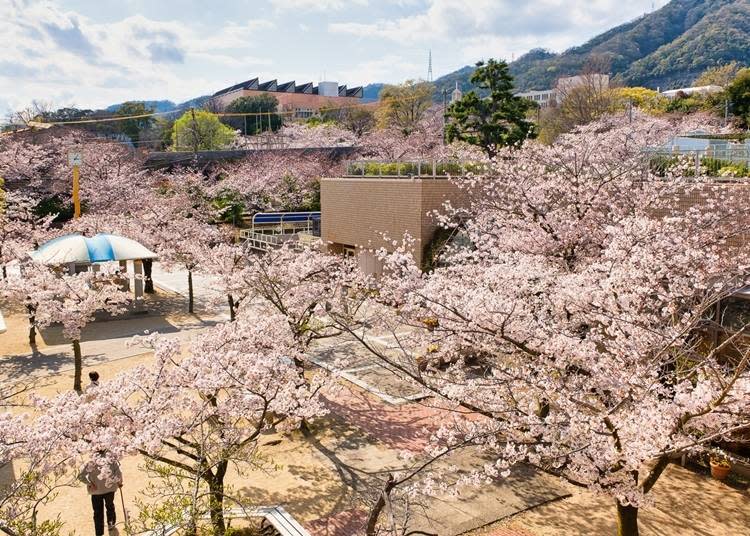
(305,100)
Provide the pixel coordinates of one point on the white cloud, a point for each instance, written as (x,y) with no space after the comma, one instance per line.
(316,5)
(466,20)
(389,67)
(53,53)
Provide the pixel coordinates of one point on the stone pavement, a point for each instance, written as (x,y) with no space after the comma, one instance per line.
(351,361)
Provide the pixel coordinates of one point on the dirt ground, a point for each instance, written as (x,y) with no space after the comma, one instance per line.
(685,504)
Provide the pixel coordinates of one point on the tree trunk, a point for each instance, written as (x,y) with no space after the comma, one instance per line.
(78,366)
(372,520)
(231,308)
(627,520)
(32,326)
(148,283)
(190,291)
(216,507)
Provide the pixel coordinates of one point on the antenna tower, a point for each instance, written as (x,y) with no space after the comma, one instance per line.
(429,67)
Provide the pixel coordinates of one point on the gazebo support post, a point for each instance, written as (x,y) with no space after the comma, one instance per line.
(124,272)
(148,287)
(138,281)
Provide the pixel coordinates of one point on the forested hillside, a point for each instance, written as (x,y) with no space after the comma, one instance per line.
(667,48)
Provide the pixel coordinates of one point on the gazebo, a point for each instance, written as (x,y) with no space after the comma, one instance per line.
(75,250)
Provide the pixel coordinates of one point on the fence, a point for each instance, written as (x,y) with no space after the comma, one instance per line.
(419,168)
(716,161)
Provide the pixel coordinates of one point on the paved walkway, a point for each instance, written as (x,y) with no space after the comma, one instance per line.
(176,281)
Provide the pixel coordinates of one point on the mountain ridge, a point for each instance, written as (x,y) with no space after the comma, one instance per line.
(666,48)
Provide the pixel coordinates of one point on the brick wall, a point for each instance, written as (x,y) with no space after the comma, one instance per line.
(359,211)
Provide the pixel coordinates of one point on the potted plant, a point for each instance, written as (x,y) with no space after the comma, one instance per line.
(720,465)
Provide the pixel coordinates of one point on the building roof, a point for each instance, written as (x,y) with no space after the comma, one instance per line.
(307,88)
(247,84)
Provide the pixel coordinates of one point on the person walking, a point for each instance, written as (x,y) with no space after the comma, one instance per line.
(102,478)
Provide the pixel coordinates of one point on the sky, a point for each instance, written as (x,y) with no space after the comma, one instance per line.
(93,53)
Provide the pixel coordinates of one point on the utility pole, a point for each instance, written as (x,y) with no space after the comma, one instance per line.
(445,112)
(726,112)
(630,110)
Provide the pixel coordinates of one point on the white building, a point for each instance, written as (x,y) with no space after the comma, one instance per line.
(700,90)
(542,98)
(546,97)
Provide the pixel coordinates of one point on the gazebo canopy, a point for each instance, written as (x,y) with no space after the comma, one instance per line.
(78,249)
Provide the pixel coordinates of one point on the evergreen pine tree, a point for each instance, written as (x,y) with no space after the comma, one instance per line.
(493,122)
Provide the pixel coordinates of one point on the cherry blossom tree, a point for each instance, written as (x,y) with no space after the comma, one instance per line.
(303,286)
(284,180)
(571,331)
(196,413)
(40,476)
(25,162)
(72,301)
(425,141)
(20,229)
(178,222)
(229,263)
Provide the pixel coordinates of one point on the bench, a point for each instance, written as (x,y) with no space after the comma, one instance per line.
(276,516)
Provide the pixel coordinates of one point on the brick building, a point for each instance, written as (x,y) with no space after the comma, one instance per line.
(359,214)
(305,100)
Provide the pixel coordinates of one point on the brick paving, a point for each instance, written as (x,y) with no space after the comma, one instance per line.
(346,523)
(402,427)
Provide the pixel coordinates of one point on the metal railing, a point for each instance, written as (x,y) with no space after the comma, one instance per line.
(276,516)
(416,168)
(721,161)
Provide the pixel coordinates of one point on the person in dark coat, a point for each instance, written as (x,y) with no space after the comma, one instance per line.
(102,478)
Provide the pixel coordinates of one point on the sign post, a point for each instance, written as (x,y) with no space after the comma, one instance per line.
(75,160)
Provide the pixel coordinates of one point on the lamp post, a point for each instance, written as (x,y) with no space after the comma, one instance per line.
(75,160)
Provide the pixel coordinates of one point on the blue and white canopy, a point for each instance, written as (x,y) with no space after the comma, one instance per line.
(76,248)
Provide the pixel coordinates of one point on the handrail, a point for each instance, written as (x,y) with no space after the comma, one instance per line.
(284,523)
(412,168)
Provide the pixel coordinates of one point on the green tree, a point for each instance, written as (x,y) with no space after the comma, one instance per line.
(264,105)
(402,106)
(493,122)
(721,75)
(133,128)
(738,94)
(649,101)
(198,130)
